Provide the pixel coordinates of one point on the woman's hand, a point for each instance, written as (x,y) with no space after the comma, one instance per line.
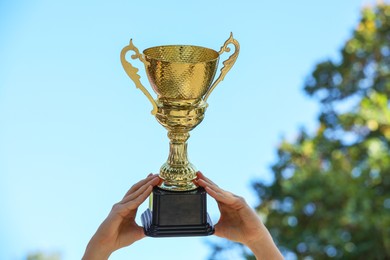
(239,222)
(119,229)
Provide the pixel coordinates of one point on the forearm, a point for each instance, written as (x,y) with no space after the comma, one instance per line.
(266,251)
(95,252)
(264,247)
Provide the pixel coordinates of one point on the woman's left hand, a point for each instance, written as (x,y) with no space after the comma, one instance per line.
(119,229)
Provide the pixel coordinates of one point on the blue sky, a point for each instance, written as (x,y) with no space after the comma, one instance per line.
(75,133)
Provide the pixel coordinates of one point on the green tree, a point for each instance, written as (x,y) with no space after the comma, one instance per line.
(43,256)
(330,197)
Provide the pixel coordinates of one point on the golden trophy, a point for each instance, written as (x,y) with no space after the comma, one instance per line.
(181,76)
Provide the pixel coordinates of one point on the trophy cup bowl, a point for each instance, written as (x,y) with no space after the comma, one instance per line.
(181,72)
(182,77)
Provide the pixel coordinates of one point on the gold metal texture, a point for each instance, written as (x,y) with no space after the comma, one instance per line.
(181,71)
(132,72)
(181,76)
(227,64)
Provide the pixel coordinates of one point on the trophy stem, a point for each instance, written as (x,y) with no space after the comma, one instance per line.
(177,173)
(178,148)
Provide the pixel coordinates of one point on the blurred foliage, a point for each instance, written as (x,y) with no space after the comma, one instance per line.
(44,256)
(330,197)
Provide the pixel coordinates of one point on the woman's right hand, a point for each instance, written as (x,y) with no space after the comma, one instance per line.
(239,222)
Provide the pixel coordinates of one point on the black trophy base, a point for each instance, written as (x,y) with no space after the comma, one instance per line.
(177,214)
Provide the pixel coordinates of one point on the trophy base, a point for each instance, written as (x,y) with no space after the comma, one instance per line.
(177,214)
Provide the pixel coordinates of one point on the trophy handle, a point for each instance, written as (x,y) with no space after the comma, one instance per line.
(227,64)
(132,72)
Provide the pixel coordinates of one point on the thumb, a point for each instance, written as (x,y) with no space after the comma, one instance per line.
(219,230)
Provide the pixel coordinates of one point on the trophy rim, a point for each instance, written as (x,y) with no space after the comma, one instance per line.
(181,45)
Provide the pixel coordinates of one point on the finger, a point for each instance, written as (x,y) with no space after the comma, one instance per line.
(202,177)
(218,196)
(216,192)
(152,182)
(205,184)
(218,231)
(225,197)
(139,184)
(136,202)
(141,189)
(129,209)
